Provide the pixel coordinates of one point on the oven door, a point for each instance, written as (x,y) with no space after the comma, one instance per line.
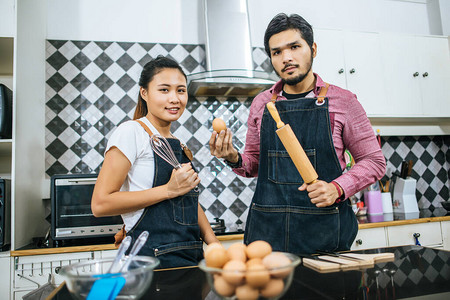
(71,209)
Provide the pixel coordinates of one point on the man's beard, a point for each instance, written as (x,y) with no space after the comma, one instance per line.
(300,77)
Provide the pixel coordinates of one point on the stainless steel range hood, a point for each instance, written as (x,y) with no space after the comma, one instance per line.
(229,61)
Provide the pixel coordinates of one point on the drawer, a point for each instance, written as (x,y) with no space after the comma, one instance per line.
(430,234)
(370,238)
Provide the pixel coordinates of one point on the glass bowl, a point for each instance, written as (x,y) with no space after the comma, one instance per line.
(80,277)
(280,280)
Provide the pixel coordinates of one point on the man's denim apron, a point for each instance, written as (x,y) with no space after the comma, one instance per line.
(281,214)
(174,233)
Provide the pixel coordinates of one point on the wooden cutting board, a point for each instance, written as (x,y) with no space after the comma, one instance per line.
(377,257)
(335,264)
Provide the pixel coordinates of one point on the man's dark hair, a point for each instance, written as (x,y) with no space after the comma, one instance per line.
(282,22)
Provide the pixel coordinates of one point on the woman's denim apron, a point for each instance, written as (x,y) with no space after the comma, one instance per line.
(281,214)
(174,233)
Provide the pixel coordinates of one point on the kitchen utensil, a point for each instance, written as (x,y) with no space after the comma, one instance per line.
(80,277)
(215,277)
(293,147)
(120,253)
(162,147)
(106,287)
(409,171)
(140,242)
(109,285)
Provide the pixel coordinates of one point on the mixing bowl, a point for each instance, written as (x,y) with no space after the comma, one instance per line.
(245,284)
(80,277)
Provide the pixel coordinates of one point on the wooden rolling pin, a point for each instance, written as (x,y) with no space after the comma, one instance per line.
(293,147)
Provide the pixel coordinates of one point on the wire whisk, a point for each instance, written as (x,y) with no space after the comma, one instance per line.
(162,147)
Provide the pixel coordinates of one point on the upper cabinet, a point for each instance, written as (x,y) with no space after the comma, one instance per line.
(352,61)
(417,75)
(392,75)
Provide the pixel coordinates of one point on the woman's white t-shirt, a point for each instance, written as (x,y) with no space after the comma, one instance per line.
(133,141)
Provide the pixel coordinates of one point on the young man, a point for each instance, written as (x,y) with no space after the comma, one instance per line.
(289,214)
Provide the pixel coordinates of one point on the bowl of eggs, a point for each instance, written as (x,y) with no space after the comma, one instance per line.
(248,272)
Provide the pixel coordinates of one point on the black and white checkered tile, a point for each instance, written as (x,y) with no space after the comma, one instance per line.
(427,267)
(92,87)
(431,165)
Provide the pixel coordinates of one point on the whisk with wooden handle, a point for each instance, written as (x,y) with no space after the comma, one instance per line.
(162,147)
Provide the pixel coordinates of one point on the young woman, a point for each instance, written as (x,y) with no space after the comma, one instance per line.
(147,191)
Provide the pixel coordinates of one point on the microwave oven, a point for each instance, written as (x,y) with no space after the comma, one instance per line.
(71,214)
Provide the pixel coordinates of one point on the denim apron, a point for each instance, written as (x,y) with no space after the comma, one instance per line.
(174,233)
(281,214)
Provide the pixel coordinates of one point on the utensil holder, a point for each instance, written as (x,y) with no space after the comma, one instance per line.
(386,200)
(405,200)
(373,202)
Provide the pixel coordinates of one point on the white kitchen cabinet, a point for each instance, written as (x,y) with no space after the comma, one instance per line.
(352,60)
(429,234)
(445,227)
(416,73)
(5,267)
(370,238)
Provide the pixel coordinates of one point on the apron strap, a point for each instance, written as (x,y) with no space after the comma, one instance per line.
(185,148)
(150,133)
(323,93)
(320,98)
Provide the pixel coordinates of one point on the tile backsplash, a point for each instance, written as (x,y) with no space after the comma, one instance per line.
(92,87)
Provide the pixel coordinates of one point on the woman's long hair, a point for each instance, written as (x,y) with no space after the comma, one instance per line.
(152,68)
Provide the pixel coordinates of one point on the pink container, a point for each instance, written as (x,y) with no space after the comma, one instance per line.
(373,202)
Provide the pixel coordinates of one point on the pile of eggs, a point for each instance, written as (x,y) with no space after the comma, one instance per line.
(248,271)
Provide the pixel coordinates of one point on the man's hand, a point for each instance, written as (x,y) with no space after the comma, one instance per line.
(221,146)
(322,194)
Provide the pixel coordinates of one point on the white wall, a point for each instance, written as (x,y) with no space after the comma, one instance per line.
(181,21)
(29,121)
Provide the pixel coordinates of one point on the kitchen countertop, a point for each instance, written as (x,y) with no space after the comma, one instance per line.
(424,216)
(415,272)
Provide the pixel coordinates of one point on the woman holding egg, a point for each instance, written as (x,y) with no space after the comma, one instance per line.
(145,190)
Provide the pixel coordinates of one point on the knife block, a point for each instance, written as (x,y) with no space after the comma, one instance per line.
(405,200)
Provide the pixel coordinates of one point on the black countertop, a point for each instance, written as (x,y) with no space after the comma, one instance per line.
(415,272)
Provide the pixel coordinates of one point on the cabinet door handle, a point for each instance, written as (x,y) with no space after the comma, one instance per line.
(352,70)
(341,71)
(416,236)
(358,242)
(416,74)
(425,74)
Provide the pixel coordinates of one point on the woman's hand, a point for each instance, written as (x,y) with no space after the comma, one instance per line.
(221,146)
(322,193)
(182,181)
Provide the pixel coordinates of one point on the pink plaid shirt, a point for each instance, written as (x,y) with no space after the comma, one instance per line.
(351,130)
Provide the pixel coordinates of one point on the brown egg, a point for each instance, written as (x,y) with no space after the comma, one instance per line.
(234,272)
(277,260)
(237,252)
(258,249)
(246,292)
(257,276)
(253,261)
(216,255)
(222,287)
(219,125)
(273,288)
